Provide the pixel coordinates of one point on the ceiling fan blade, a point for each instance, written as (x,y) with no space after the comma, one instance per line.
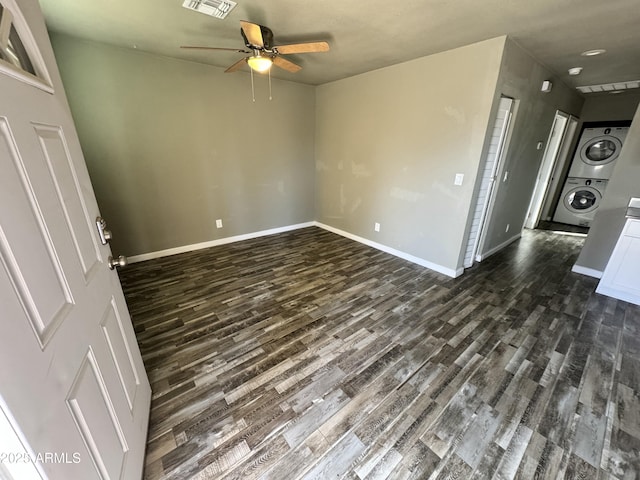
(236,66)
(311,47)
(253,32)
(286,64)
(215,48)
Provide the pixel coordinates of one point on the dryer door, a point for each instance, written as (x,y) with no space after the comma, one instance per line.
(601,150)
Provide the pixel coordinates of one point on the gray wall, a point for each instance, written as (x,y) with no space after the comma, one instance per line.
(521,78)
(607,107)
(389,143)
(623,184)
(172,146)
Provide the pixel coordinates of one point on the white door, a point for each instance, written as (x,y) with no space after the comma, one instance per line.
(564,155)
(549,158)
(487,179)
(74,395)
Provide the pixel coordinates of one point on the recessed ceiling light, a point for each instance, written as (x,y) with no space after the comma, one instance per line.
(575,71)
(593,53)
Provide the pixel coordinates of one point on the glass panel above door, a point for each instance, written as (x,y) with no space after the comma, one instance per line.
(20,57)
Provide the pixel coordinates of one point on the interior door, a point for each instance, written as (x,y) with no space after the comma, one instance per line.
(73,391)
(488,178)
(564,156)
(551,153)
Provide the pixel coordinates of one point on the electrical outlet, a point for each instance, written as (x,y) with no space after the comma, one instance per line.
(376,227)
(219,223)
(459,179)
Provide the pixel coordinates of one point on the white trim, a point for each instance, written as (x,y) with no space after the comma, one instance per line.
(18,74)
(591,272)
(492,183)
(483,256)
(405,256)
(619,294)
(263,233)
(213,243)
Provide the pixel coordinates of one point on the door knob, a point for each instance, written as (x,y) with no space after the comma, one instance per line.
(121,261)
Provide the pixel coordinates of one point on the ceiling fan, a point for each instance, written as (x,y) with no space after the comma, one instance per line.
(258,40)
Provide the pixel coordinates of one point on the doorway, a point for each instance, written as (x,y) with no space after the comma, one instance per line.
(486,194)
(558,145)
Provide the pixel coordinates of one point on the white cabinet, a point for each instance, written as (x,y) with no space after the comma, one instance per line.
(621,277)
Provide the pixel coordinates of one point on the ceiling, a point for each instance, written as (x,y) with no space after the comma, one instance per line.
(368,34)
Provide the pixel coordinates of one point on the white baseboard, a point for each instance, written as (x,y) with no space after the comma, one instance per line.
(238,238)
(214,243)
(483,256)
(405,256)
(587,271)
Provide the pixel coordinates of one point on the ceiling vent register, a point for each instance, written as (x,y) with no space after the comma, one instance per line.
(215,8)
(609,87)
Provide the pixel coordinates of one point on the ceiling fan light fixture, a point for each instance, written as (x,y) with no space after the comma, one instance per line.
(259,63)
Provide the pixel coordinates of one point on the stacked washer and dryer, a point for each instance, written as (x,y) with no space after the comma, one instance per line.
(592,165)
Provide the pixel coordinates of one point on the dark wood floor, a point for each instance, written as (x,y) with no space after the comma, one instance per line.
(562,227)
(306,355)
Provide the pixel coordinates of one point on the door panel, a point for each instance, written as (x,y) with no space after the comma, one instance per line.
(116,337)
(26,243)
(96,418)
(61,169)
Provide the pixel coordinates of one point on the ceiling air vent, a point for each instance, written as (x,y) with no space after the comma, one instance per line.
(609,87)
(215,8)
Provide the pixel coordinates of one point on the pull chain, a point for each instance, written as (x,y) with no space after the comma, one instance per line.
(253,91)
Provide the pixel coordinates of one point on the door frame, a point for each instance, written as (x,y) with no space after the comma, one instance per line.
(497,169)
(556,183)
(554,145)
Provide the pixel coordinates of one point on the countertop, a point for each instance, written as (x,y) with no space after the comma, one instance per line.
(633,209)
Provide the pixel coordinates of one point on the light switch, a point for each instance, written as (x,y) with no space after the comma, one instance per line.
(459,179)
